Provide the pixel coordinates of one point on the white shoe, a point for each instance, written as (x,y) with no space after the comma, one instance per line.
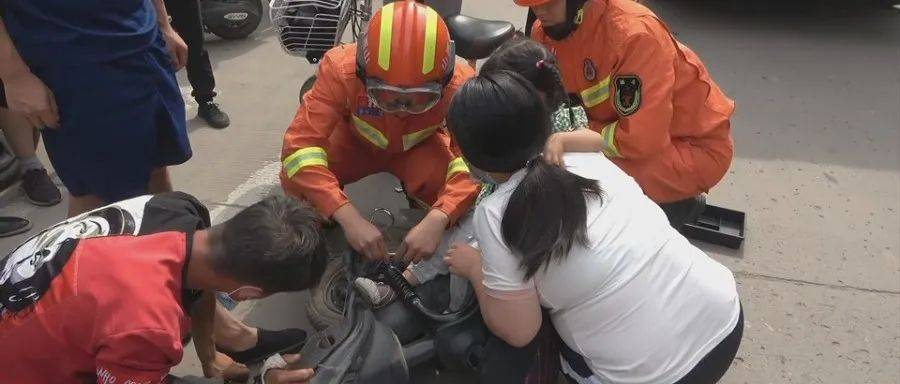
(378,294)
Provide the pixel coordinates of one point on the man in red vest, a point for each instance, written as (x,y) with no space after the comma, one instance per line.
(107,296)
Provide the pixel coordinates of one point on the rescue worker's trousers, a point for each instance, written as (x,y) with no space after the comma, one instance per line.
(684,170)
(422,168)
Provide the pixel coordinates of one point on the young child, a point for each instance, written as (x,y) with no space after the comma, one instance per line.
(539,66)
(570,122)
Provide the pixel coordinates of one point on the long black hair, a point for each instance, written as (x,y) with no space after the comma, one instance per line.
(501,124)
(533,61)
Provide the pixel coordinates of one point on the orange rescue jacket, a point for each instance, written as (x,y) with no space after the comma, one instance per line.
(663,119)
(338,101)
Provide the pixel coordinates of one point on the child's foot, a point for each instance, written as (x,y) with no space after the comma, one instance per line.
(378,294)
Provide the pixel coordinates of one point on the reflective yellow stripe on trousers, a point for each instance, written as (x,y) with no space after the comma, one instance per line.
(458,165)
(596,94)
(412,139)
(609,140)
(370,133)
(304,157)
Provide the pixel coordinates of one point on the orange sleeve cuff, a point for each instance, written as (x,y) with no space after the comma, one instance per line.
(457,197)
(326,195)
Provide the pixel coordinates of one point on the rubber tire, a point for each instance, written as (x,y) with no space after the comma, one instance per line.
(307,85)
(319,309)
(240,33)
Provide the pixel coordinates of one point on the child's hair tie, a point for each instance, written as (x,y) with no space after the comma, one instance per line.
(541,64)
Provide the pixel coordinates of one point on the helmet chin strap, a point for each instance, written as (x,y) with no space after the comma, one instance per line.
(574,16)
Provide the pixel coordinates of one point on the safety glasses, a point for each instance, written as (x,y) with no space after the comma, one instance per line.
(413,100)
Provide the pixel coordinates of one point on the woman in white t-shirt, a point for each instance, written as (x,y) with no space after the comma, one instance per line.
(632,300)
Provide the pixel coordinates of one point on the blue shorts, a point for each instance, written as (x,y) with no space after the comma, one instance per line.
(119,119)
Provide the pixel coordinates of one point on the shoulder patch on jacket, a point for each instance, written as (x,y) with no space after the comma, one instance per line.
(628,94)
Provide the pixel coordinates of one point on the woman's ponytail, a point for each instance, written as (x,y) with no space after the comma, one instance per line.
(547,214)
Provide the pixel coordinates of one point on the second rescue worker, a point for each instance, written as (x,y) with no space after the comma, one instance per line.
(380,105)
(664,120)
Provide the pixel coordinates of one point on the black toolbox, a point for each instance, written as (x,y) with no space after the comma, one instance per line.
(717,225)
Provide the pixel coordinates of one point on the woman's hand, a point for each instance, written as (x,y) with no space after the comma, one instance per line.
(421,242)
(554,149)
(28,95)
(177,47)
(464,260)
(285,376)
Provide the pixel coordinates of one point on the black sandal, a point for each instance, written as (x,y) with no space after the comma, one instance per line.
(11,225)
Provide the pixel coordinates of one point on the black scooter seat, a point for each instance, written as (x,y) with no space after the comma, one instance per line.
(478,38)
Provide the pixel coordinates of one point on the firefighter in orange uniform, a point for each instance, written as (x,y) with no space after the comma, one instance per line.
(379,105)
(663,119)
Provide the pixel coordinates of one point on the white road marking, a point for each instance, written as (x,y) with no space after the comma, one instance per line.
(267,176)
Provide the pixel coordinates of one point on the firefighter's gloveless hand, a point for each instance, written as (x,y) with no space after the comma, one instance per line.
(421,241)
(363,236)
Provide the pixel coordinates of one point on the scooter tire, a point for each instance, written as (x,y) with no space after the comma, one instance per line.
(230,32)
(323,310)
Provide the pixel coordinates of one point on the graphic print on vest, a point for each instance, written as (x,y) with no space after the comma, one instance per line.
(27,272)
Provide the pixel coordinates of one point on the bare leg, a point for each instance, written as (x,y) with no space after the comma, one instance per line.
(159,181)
(82,204)
(231,334)
(21,136)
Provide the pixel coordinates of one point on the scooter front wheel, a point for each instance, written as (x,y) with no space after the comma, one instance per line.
(327,300)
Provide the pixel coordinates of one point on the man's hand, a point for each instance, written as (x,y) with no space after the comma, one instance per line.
(463,260)
(28,95)
(177,47)
(224,367)
(284,376)
(424,238)
(362,235)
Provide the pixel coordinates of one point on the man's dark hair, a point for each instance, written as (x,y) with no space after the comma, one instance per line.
(276,244)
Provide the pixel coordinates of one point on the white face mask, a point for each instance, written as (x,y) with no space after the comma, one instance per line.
(481,176)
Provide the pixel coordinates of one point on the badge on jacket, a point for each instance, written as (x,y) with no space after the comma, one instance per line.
(365,107)
(628,94)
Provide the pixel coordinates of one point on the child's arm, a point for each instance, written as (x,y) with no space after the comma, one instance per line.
(582,140)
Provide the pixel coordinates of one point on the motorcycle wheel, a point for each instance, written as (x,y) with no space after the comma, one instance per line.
(234,29)
(327,300)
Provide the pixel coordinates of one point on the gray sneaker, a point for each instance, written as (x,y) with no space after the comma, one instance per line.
(378,294)
(39,188)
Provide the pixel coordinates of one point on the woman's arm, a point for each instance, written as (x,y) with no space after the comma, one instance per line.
(10,61)
(514,316)
(25,93)
(516,320)
(177,47)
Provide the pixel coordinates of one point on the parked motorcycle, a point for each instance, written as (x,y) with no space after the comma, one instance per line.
(309,28)
(231,19)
